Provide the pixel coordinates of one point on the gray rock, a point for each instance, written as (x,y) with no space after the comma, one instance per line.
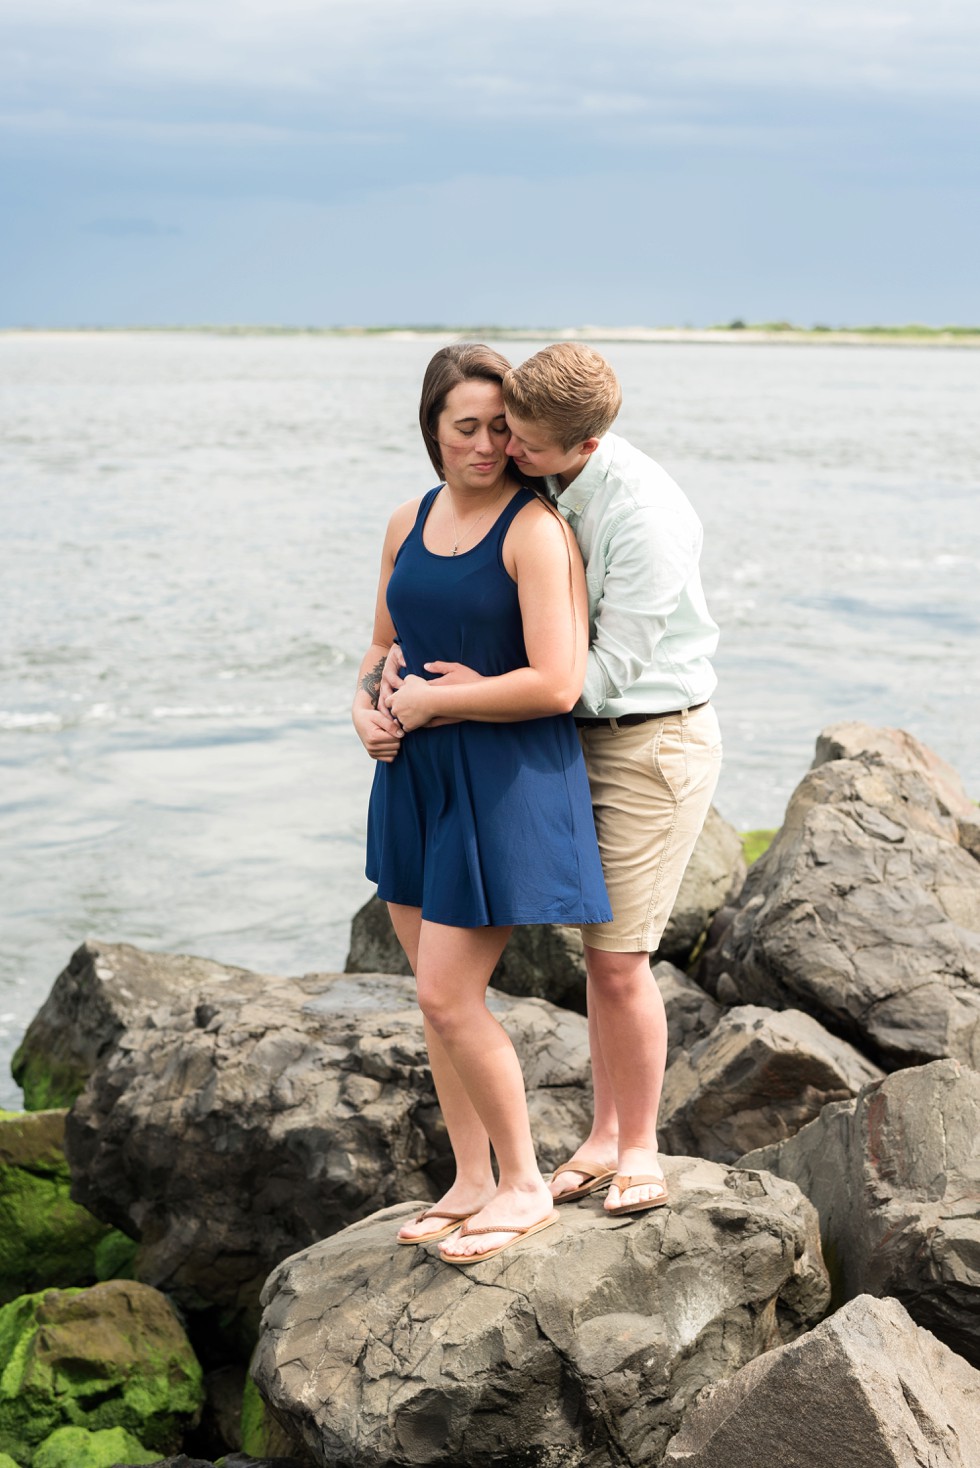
(544,962)
(254,1115)
(865,911)
(180,1461)
(105,987)
(584,1345)
(894,747)
(757,1077)
(866,1389)
(714,877)
(374,949)
(895,1177)
(691,1013)
(970,837)
(231,1460)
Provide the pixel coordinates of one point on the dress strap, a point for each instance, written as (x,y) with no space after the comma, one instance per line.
(513,507)
(425,505)
(421,515)
(503,523)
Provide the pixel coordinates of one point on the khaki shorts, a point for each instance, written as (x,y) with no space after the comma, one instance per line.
(652,786)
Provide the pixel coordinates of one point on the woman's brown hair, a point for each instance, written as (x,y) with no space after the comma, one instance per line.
(450,366)
(458,363)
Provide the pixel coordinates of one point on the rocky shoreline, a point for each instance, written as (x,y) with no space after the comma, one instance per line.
(199,1267)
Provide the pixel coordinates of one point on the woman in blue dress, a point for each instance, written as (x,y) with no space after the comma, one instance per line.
(480,815)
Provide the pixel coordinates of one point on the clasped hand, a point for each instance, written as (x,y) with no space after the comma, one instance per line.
(410,699)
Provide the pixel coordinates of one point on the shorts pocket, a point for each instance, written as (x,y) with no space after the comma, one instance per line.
(670,757)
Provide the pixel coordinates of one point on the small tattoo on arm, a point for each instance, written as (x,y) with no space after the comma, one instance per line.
(371,682)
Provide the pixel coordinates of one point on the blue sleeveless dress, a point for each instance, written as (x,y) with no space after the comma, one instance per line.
(480,824)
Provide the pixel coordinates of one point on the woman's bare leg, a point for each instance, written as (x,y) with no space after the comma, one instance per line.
(453,970)
(474,1182)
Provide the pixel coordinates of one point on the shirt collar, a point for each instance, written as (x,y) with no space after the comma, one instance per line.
(574,499)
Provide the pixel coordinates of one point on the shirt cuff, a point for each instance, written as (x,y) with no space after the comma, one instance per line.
(594,690)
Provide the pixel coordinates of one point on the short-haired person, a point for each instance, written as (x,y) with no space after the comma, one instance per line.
(651,739)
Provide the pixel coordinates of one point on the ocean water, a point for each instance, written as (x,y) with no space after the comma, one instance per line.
(190,529)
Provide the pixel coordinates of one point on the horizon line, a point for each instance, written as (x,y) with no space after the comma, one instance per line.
(737,329)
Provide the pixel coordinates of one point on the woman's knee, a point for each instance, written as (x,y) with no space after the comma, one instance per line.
(441,1005)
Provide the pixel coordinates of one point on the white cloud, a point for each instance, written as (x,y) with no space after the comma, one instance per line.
(537,57)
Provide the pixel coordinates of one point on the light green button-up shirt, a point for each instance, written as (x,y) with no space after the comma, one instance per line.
(650,635)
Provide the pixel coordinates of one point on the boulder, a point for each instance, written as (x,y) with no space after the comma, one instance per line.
(867,1387)
(894,1176)
(255,1115)
(242,1460)
(374,949)
(180,1461)
(713,879)
(757,1077)
(582,1346)
(543,961)
(231,1460)
(854,740)
(111,1356)
(76,1447)
(691,1013)
(865,911)
(105,988)
(45,1238)
(263,1436)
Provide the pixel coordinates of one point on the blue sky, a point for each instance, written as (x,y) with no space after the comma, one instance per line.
(634,162)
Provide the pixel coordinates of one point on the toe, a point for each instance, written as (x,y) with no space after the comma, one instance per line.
(567,1181)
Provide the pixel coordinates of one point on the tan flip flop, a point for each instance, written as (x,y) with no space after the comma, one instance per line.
(598,1177)
(518,1230)
(436,1233)
(622,1181)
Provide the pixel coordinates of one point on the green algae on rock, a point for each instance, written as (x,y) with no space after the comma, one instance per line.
(76,1447)
(115,1256)
(114,1355)
(262,1435)
(45,1238)
(757,843)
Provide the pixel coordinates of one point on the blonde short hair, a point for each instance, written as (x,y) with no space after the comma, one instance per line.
(568,389)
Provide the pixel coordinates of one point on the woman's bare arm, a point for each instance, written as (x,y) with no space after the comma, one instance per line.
(377,730)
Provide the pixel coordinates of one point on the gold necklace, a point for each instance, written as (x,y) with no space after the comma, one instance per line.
(457,538)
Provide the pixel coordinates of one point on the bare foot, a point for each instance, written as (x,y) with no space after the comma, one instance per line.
(459,1200)
(520,1207)
(593,1154)
(637,1162)
(569,1179)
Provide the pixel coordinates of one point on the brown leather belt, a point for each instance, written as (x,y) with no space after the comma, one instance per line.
(626,721)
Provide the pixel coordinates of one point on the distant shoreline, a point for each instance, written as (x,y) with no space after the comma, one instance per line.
(734,334)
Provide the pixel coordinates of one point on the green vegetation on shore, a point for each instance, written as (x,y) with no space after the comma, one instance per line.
(737,331)
(755,843)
